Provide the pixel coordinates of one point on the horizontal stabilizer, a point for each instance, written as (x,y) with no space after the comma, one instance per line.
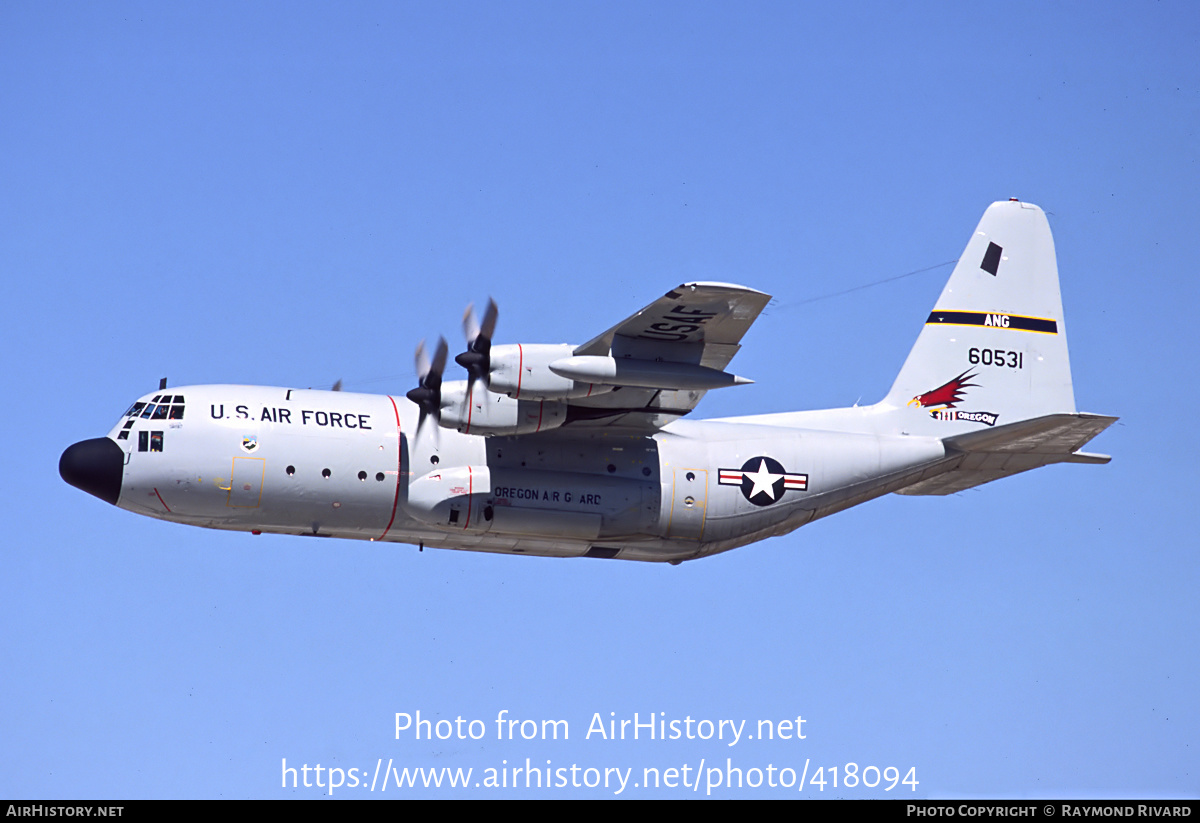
(988,455)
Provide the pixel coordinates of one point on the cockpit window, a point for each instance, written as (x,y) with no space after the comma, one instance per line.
(162,407)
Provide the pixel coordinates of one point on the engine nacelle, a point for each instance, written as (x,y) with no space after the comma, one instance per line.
(488,413)
(649,374)
(523,371)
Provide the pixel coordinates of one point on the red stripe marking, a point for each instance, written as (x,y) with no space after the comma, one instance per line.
(160,500)
(470,406)
(399,451)
(470,489)
(520,367)
(541,404)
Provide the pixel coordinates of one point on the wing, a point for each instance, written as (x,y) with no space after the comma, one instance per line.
(693,325)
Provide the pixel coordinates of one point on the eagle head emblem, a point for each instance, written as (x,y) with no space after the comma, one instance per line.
(945,395)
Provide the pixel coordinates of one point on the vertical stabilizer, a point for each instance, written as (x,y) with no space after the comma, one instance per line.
(994,349)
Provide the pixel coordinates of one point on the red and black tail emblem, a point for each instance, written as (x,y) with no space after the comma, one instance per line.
(945,395)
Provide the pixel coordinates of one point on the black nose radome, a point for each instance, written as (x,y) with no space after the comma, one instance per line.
(96,466)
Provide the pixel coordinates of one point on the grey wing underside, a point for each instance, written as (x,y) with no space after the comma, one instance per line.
(983,456)
(695,323)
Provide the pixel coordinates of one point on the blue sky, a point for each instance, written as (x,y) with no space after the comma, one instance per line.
(289,194)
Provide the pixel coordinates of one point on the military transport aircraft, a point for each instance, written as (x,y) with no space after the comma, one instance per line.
(567,451)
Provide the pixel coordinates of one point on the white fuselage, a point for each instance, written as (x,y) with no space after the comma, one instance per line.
(564,450)
(339,464)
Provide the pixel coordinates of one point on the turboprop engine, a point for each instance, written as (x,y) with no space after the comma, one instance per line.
(476,410)
(519,388)
(525,372)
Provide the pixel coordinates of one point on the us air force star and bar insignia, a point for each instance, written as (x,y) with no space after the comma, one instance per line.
(763,480)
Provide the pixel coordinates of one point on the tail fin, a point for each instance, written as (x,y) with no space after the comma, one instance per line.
(994,348)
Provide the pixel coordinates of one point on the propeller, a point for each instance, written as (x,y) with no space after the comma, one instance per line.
(428,393)
(477,359)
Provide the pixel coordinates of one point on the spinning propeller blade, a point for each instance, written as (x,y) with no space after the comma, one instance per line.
(477,358)
(428,393)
